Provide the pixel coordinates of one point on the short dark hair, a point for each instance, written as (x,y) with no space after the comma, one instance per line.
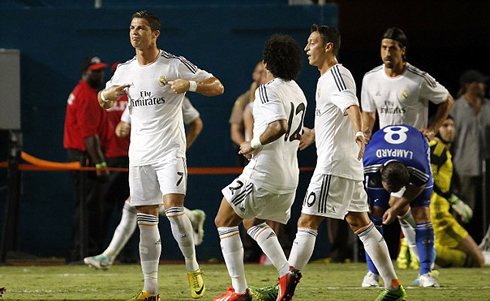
(283,57)
(152,19)
(395,33)
(328,34)
(395,174)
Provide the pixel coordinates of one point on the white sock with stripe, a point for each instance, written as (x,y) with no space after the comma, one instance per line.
(123,232)
(150,250)
(188,212)
(268,242)
(183,234)
(303,246)
(407,224)
(376,247)
(232,249)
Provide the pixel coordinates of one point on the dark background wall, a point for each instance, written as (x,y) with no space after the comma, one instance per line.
(226,40)
(223,37)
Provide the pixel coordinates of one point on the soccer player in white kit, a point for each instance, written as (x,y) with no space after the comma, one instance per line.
(336,187)
(267,187)
(400,93)
(127,225)
(156,82)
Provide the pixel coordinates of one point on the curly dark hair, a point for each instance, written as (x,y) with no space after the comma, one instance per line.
(152,19)
(283,57)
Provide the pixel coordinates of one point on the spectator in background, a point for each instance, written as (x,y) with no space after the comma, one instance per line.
(471,113)
(84,134)
(237,127)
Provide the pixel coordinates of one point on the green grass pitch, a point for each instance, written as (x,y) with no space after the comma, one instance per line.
(320,282)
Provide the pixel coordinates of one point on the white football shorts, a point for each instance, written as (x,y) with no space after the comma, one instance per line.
(149,183)
(250,201)
(334,197)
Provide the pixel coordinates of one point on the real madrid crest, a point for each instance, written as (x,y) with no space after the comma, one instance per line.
(162,81)
(405,93)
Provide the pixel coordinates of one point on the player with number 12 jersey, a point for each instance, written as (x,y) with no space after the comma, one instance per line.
(402,143)
(275,167)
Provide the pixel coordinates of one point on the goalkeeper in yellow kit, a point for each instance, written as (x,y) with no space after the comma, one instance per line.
(454,246)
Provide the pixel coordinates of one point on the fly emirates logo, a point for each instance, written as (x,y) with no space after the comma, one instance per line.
(146,99)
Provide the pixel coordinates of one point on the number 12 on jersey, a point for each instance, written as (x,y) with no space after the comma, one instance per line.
(296,135)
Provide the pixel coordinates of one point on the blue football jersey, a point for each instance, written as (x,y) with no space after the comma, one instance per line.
(402,143)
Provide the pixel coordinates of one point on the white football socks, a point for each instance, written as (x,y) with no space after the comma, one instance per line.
(188,212)
(303,246)
(232,249)
(183,234)
(376,247)
(268,242)
(150,250)
(407,224)
(123,232)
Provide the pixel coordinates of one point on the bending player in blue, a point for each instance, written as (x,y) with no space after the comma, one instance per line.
(398,176)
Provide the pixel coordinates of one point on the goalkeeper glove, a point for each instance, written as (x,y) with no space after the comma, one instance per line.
(461,208)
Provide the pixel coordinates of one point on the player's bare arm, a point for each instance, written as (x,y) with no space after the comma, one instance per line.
(441,115)
(355,119)
(208,87)
(109,96)
(193,130)
(274,131)
(368,120)
(307,138)
(398,205)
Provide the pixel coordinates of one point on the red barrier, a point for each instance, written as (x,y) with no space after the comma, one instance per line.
(44,165)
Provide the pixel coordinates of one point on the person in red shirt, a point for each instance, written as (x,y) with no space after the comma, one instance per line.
(84,135)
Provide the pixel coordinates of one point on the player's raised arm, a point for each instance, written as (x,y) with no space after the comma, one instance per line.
(107,97)
(208,87)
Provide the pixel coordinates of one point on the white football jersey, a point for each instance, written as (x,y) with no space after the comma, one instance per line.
(189,113)
(275,167)
(403,99)
(337,150)
(157,128)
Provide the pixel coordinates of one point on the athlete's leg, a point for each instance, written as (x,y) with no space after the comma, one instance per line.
(376,217)
(375,245)
(123,232)
(267,239)
(407,224)
(304,243)
(468,245)
(424,234)
(227,222)
(150,246)
(181,229)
